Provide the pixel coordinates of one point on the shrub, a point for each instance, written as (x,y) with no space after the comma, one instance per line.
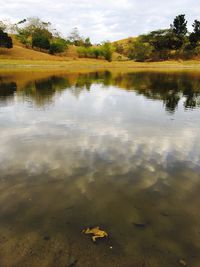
(40,41)
(5,40)
(107,51)
(140,51)
(89,52)
(58,45)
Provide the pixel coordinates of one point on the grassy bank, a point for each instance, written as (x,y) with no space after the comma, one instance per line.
(92,65)
(21,58)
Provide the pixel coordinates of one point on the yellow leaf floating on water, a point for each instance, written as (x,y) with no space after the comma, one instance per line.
(96,232)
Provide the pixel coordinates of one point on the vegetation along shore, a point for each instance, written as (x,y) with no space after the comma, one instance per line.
(35,43)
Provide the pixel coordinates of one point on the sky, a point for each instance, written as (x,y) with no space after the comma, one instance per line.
(102,20)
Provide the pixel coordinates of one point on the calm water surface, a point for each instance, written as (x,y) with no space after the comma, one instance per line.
(119,151)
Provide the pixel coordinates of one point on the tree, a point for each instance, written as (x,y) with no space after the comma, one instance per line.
(87,42)
(89,52)
(5,40)
(163,40)
(180,25)
(58,45)
(34,24)
(195,35)
(179,28)
(107,51)
(30,28)
(40,40)
(140,50)
(75,38)
(2,26)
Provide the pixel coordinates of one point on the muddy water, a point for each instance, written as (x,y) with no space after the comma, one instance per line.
(119,151)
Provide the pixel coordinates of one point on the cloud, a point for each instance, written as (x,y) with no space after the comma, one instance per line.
(102,20)
(101,135)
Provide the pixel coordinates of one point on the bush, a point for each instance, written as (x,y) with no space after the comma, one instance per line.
(107,51)
(40,41)
(24,40)
(89,52)
(83,51)
(119,48)
(103,51)
(87,42)
(197,51)
(140,51)
(5,40)
(58,45)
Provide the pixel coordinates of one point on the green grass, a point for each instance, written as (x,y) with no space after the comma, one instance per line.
(21,58)
(92,65)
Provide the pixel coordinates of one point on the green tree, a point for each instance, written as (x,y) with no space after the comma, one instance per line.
(195,35)
(40,40)
(58,45)
(5,40)
(87,42)
(162,40)
(180,25)
(89,52)
(34,24)
(107,51)
(140,50)
(96,52)
(30,28)
(179,28)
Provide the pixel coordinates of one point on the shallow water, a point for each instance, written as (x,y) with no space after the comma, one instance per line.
(120,151)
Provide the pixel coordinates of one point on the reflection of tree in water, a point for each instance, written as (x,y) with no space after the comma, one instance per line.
(42,91)
(7,90)
(168,87)
(86,80)
(192,98)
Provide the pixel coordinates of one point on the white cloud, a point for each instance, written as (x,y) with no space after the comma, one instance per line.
(102,20)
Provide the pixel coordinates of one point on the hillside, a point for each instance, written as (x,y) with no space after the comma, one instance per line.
(125,42)
(20,52)
(122,46)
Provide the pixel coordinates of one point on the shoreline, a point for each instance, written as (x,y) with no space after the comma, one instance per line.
(95,65)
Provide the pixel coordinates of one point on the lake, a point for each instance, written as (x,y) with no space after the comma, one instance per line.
(116,150)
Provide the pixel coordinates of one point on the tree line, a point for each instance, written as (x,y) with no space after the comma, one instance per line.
(176,42)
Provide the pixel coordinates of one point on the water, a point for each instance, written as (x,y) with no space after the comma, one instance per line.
(115,150)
